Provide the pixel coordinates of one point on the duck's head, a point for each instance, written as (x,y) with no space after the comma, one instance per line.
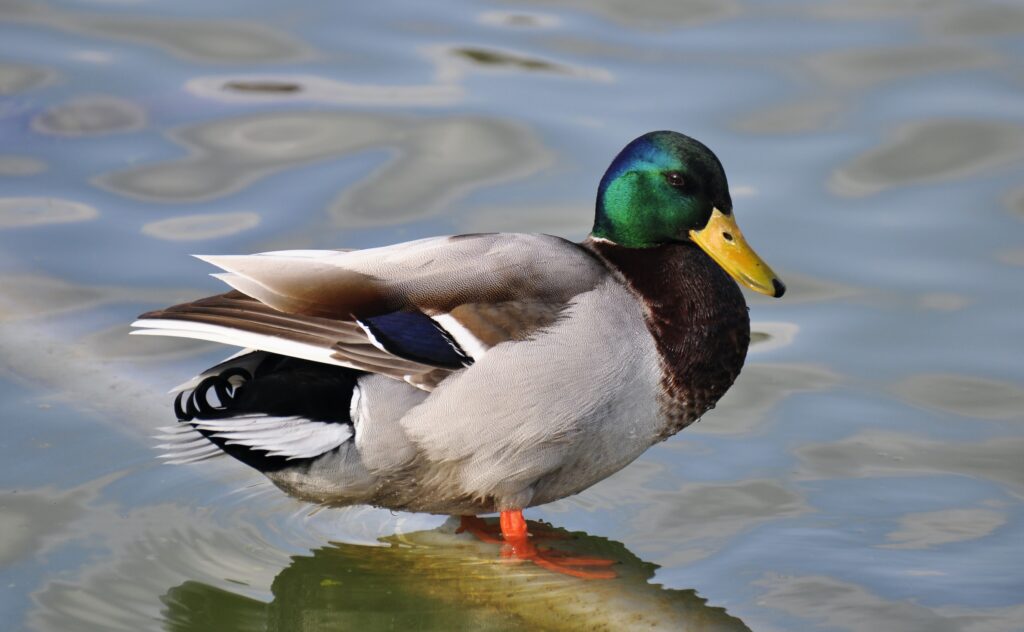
(667,187)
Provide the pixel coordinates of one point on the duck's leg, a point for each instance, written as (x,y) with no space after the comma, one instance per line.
(517,539)
(491,532)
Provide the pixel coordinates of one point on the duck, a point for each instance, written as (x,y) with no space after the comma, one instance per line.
(479,373)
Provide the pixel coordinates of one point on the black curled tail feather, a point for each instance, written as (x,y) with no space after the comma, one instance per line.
(279,387)
(197,402)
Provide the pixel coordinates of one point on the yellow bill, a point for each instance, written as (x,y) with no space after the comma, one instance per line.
(724,242)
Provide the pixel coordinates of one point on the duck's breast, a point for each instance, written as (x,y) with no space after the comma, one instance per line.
(532,421)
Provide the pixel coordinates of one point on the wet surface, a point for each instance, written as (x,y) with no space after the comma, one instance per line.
(21,212)
(863,474)
(90,115)
(933,151)
(201,227)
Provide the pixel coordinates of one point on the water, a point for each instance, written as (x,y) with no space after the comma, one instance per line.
(865,472)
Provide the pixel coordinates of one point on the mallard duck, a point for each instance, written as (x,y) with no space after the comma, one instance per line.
(479,373)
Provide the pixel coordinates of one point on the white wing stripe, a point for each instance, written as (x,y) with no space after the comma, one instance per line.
(464,337)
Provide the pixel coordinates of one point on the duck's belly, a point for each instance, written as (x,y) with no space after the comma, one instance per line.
(535,421)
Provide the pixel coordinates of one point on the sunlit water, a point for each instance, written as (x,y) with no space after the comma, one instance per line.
(865,473)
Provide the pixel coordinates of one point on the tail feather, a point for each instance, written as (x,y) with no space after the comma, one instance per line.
(267,410)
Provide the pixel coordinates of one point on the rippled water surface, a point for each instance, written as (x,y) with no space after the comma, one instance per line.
(865,473)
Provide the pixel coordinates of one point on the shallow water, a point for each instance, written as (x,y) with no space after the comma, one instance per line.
(865,472)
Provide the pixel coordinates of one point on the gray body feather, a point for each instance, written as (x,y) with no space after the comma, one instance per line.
(565,388)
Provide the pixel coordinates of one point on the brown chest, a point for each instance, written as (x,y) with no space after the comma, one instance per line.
(697,317)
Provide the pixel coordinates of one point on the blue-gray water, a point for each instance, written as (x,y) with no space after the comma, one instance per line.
(865,473)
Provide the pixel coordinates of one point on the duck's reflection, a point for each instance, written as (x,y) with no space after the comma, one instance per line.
(441,580)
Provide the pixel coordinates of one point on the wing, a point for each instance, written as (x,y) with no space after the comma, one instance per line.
(417,311)
(239,320)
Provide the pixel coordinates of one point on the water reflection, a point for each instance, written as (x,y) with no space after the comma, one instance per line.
(437,160)
(221,41)
(451,65)
(876,9)
(267,88)
(21,77)
(518,20)
(862,68)
(980,19)
(943,301)
(1013,257)
(694,521)
(32,296)
(839,605)
(197,227)
(569,220)
(226,155)
(768,336)
(812,114)
(931,151)
(878,453)
(29,520)
(40,353)
(204,40)
(877,417)
(488,57)
(932,528)
(843,74)
(1015,202)
(659,14)
(438,580)
(964,395)
(33,211)
(803,288)
(14,166)
(136,554)
(758,389)
(90,116)
(115,344)
(25,296)
(440,161)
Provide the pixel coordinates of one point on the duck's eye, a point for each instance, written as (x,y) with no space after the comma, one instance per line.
(675,179)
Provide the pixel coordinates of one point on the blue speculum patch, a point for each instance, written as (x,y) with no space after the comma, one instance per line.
(416,336)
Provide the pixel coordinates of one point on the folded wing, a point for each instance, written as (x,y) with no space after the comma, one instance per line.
(417,311)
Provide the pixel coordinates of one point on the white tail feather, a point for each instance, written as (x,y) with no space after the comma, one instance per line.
(290,437)
(235,338)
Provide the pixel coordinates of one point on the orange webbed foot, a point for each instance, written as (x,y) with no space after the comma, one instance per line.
(519,546)
(560,561)
(511,531)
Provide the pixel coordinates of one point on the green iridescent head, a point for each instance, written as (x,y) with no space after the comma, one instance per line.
(661,186)
(666,187)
